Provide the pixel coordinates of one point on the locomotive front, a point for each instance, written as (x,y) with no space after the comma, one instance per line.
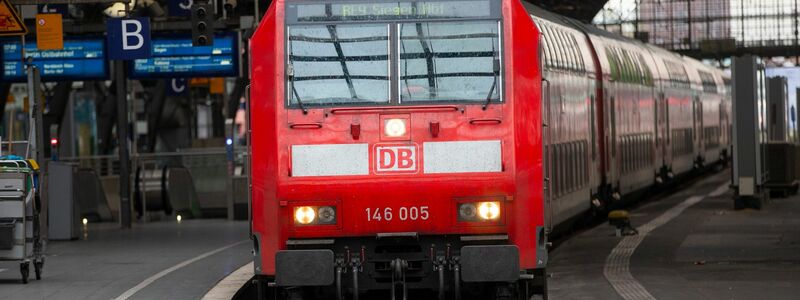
(397,146)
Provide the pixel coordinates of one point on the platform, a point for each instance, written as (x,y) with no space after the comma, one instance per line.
(160,260)
(691,245)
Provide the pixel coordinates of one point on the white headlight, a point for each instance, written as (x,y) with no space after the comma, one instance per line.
(304,215)
(489,210)
(395,127)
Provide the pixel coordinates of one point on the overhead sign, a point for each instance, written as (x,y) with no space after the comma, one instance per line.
(79,60)
(49,32)
(129,38)
(62,9)
(180,8)
(177,87)
(10,22)
(174,57)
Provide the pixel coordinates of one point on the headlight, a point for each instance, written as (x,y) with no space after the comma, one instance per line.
(304,215)
(326,215)
(489,210)
(479,211)
(315,215)
(467,212)
(395,127)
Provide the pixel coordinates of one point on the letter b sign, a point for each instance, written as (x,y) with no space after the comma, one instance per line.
(129,38)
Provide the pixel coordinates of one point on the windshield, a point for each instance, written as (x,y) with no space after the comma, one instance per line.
(336,64)
(453,61)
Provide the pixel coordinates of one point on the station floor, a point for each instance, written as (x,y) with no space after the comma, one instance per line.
(158,260)
(691,245)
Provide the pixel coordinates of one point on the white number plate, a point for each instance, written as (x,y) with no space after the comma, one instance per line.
(411,213)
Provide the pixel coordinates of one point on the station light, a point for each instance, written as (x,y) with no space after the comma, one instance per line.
(85,221)
(202,23)
(394,128)
(178,218)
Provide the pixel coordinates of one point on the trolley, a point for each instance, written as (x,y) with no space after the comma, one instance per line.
(19,215)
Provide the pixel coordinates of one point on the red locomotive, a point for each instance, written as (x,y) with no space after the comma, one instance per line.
(406,145)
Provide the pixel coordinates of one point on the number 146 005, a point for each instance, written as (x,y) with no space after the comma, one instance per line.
(411,213)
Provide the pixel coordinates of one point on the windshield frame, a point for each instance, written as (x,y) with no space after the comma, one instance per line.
(394,59)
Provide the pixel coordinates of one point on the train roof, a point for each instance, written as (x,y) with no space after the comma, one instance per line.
(573,23)
(598,32)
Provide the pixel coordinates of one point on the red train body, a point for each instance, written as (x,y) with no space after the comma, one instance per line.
(408,143)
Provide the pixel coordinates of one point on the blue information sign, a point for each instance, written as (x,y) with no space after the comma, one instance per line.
(175,57)
(180,8)
(128,38)
(177,87)
(79,60)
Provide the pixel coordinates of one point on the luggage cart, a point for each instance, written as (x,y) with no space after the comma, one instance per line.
(20,238)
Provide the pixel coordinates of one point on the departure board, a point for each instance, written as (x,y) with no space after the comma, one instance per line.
(175,57)
(83,59)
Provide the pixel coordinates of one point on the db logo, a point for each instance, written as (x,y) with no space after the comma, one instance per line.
(395,159)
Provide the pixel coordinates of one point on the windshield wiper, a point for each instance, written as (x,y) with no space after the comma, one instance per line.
(290,72)
(496,73)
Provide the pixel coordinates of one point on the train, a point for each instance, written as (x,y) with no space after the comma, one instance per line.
(399,146)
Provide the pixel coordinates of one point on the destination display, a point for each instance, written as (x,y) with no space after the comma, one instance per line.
(391,11)
(175,57)
(79,60)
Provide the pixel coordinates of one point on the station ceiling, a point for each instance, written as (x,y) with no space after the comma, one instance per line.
(583,10)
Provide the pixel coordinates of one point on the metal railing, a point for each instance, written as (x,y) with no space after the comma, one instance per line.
(210,169)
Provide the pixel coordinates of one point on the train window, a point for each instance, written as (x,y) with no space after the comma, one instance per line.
(573,50)
(552,52)
(640,77)
(565,55)
(709,85)
(648,74)
(562,49)
(452,61)
(542,44)
(613,64)
(568,51)
(627,74)
(639,69)
(547,37)
(545,59)
(633,71)
(555,47)
(623,66)
(548,54)
(578,54)
(677,74)
(338,64)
